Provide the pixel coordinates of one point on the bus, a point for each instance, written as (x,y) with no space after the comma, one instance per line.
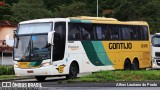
(155,47)
(68,46)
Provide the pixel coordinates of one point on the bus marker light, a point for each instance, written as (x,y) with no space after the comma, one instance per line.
(47,73)
(16,65)
(17,74)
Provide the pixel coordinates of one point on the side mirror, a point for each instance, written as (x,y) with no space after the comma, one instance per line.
(50,37)
(15,33)
(9,41)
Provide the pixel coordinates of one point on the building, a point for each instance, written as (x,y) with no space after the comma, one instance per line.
(6,27)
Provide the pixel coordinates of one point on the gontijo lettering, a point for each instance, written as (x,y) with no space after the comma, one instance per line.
(120,45)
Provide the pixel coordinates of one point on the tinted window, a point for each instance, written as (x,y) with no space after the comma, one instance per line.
(88,33)
(139,33)
(99,32)
(115,32)
(74,32)
(126,32)
(145,32)
(106,32)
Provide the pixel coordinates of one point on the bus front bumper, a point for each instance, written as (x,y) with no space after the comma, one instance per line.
(41,71)
(156,63)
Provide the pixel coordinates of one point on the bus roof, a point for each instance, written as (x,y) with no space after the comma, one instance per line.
(87,19)
(44,20)
(105,20)
(94,18)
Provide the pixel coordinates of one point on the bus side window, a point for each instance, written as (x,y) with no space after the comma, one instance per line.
(106,33)
(99,32)
(87,31)
(74,32)
(115,33)
(139,32)
(145,32)
(126,33)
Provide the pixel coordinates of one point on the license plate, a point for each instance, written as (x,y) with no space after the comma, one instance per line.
(23,64)
(30,71)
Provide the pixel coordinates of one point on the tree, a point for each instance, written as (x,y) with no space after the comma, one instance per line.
(5,12)
(73,9)
(29,9)
(135,10)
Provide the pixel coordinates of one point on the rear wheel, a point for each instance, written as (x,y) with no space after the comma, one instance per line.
(135,65)
(127,65)
(40,78)
(73,71)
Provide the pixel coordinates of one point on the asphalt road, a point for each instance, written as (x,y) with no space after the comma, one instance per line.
(60,83)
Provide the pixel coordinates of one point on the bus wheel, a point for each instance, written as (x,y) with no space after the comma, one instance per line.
(73,71)
(135,65)
(40,78)
(127,65)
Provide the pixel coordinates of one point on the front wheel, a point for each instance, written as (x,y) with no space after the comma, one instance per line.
(40,78)
(73,71)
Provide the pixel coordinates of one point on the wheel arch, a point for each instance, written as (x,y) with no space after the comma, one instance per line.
(77,64)
(136,59)
(127,60)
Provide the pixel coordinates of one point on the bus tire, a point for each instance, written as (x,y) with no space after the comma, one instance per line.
(40,78)
(127,65)
(135,65)
(73,71)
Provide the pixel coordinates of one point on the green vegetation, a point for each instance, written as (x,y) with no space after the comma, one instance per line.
(103,76)
(6,70)
(124,10)
(7,73)
(12,77)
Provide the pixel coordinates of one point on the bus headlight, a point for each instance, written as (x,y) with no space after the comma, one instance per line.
(45,64)
(16,65)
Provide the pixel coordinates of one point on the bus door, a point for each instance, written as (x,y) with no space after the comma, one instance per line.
(58,51)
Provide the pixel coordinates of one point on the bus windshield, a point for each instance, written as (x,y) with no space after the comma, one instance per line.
(32,42)
(33,47)
(34,28)
(156,41)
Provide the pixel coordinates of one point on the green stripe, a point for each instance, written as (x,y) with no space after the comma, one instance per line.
(101,53)
(89,49)
(80,21)
(96,53)
(75,20)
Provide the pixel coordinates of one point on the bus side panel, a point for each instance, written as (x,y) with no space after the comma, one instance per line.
(119,51)
(90,56)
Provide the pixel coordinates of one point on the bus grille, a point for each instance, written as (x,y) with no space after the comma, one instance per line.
(157,54)
(158,62)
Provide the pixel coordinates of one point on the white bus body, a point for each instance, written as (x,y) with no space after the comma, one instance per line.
(155,48)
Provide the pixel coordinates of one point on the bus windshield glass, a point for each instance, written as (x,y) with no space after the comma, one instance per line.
(33,47)
(34,28)
(156,41)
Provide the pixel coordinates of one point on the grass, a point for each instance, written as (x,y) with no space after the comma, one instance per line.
(103,76)
(7,73)
(12,77)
